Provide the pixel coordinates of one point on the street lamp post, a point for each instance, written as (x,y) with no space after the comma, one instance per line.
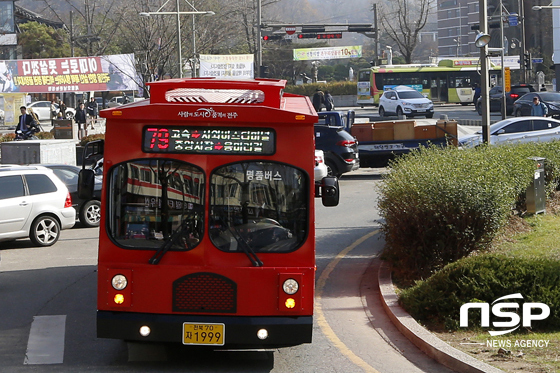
(555,6)
(481,42)
(178,13)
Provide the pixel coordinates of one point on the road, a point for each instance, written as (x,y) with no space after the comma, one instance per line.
(47,307)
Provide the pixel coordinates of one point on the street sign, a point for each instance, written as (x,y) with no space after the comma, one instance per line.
(290,30)
(513,20)
(537,60)
(507,78)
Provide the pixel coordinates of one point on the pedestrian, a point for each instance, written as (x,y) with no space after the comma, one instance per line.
(329,101)
(25,120)
(62,108)
(81,119)
(318,100)
(92,110)
(477,92)
(54,111)
(538,109)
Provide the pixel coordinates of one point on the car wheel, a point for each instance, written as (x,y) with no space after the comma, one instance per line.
(69,115)
(399,112)
(381,111)
(90,214)
(45,231)
(332,170)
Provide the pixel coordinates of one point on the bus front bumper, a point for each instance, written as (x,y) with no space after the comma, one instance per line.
(239,331)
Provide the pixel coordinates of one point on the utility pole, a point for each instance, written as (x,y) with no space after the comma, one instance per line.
(483,20)
(259,38)
(522,44)
(376,42)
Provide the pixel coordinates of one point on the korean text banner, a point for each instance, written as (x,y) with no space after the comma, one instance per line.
(70,74)
(234,66)
(329,53)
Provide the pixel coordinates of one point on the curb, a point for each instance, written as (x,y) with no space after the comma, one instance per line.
(423,339)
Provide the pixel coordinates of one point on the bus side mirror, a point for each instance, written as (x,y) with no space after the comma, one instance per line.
(86,183)
(330,191)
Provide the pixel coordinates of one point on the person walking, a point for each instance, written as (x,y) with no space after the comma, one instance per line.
(62,108)
(92,110)
(329,101)
(538,109)
(318,100)
(54,111)
(81,120)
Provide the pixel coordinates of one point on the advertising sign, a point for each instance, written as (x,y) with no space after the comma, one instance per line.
(233,66)
(69,74)
(329,53)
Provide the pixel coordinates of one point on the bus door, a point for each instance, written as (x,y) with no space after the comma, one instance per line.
(207,220)
(439,88)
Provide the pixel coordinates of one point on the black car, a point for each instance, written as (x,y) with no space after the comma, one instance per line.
(522,107)
(88,211)
(340,148)
(496,98)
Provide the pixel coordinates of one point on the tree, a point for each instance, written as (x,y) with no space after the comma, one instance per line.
(403,20)
(41,41)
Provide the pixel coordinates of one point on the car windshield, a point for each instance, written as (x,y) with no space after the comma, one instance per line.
(410,94)
(155,204)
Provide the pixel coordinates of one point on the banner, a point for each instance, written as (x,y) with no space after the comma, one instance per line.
(70,74)
(330,53)
(233,66)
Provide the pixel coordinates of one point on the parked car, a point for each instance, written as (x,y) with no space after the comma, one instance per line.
(514,130)
(43,110)
(496,98)
(119,100)
(99,101)
(34,203)
(339,147)
(522,107)
(88,211)
(404,100)
(321,170)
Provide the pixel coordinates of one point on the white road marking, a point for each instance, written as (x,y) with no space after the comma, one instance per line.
(46,340)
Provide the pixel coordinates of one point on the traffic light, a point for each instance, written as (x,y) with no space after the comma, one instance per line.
(272,37)
(527,61)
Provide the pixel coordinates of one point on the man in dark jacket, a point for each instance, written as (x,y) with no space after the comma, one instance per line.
(25,120)
(318,100)
(81,118)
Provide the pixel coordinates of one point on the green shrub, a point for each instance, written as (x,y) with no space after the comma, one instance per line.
(88,138)
(440,205)
(335,89)
(485,278)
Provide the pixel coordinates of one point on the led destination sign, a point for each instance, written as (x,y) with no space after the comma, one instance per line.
(208,140)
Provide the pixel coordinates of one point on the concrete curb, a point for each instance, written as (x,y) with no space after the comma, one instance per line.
(423,339)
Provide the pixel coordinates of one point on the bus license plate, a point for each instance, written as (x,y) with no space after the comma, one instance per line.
(203,334)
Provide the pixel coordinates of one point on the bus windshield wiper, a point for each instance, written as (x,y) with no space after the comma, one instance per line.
(163,249)
(247,249)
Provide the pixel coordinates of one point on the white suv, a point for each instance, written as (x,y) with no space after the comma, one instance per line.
(403,100)
(34,203)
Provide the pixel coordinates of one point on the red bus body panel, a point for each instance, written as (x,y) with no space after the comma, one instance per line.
(259,298)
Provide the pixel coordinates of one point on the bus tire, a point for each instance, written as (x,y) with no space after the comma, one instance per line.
(381,112)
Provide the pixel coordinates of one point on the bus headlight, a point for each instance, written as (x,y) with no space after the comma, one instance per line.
(119,282)
(290,286)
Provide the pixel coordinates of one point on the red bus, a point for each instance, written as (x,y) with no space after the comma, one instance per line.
(207,229)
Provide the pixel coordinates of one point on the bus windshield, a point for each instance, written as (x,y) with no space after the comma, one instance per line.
(258,206)
(156,202)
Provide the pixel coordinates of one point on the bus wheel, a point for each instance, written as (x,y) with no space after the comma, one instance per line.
(381,112)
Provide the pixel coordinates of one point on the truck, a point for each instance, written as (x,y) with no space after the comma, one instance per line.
(380,141)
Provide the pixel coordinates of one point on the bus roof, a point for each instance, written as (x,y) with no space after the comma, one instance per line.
(200,98)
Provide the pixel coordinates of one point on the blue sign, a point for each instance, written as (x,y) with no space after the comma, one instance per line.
(537,60)
(513,20)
